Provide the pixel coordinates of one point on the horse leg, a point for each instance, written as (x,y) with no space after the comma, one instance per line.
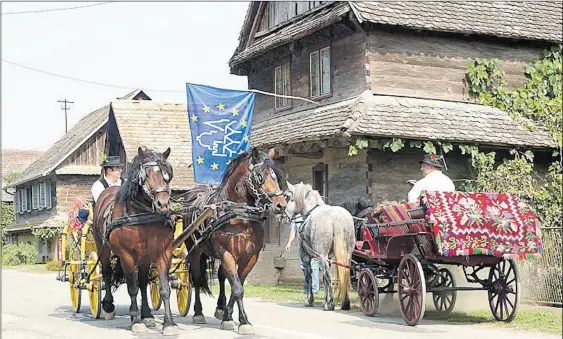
(146,314)
(128,266)
(229,265)
(163,268)
(329,298)
(108,308)
(245,326)
(197,278)
(222,299)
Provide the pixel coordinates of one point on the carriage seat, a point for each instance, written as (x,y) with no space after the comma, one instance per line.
(395,214)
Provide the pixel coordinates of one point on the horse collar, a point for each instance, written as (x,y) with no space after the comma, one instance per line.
(306,215)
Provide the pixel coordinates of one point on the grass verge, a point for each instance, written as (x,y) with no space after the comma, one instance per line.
(34,268)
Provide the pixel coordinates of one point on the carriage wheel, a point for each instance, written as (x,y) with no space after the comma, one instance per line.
(411,290)
(368,292)
(95,289)
(504,296)
(73,281)
(444,301)
(184,293)
(155,290)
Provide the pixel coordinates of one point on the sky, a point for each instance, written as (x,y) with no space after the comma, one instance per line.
(158,46)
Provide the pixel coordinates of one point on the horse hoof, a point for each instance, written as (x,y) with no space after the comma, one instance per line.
(219,314)
(139,328)
(149,322)
(328,307)
(199,319)
(171,330)
(228,325)
(245,329)
(108,316)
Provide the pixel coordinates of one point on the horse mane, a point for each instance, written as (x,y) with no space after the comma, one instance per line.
(243,157)
(300,196)
(131,185)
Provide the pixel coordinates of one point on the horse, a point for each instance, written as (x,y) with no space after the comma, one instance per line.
(251,178)
(146,238)
(327,231)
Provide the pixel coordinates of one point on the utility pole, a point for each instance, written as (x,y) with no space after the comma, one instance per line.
(65,108)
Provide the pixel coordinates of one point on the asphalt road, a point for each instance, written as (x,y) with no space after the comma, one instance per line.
(38,306)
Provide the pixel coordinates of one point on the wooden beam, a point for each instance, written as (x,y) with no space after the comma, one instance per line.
(255,24)
(315,155)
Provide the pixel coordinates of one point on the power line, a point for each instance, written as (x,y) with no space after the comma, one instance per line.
(59,9)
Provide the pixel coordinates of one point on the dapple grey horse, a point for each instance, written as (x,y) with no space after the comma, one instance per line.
(327,231)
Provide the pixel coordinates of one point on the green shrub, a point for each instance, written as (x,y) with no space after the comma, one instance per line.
(20,254)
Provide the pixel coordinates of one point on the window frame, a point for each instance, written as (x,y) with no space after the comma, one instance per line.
(319,49)
(280,65)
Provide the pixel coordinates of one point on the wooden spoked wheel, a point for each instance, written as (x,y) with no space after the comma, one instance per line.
(368,292)
(184,292)
(444,301)
(411,290)
(74,280)
(504,297)
(154,286)
(95,287)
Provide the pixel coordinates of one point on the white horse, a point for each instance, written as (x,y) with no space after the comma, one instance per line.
(327,231)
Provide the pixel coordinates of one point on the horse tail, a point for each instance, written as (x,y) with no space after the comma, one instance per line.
(117,275)
(342,255)
(201,281)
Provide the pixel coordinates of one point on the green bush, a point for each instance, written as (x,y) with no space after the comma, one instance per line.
(20,254)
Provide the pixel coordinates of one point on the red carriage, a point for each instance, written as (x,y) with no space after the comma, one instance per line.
(404,244)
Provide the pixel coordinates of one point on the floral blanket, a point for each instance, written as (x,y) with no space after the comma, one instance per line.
(483,223)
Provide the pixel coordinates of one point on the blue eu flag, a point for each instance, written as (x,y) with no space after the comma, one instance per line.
(220,122)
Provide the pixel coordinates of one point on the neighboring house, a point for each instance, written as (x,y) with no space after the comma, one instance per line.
(14,161)
(380,70)
(62,175)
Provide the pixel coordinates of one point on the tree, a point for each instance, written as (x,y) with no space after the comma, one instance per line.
(7,212)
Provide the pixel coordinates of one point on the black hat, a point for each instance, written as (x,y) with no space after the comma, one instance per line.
(432,160)
(112,161)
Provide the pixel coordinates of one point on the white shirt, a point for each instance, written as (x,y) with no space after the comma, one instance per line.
(98,187)
(433,181)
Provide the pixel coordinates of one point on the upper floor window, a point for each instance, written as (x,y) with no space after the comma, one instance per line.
(320,73)
(36,197)
(282,85)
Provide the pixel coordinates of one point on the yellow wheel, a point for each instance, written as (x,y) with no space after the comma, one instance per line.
(155,291)
(74,280)
(184,293)
(95,286)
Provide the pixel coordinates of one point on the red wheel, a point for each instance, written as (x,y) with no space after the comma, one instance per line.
(368,292)
(411,290)
(444,301)
(504,296)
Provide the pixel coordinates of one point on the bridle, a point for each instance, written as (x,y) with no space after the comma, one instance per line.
(255,180)
(143,179)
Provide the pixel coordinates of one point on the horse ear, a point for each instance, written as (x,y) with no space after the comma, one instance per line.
(271,153)
(166,153)
(290,186)
(255,155)
(140,152)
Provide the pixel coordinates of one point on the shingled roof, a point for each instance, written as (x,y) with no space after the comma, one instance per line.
(540,21)
(390,116)
(530,20)
(169,127)
(63,148)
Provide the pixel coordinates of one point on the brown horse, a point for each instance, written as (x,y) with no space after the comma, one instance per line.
(253,179)
(145,238)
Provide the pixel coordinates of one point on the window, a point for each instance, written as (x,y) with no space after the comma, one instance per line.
(320,180)
(45,195)
(320,73)
(35,197)
(282,85)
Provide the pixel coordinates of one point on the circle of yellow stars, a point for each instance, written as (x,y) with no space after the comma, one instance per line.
(206,109)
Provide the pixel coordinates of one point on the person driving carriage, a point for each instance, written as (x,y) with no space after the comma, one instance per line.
(112,169)
(434,179)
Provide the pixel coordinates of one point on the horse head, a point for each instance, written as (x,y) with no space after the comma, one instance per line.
(302,198)
(254,178)
(149,176)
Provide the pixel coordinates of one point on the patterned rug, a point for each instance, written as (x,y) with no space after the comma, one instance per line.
(483,223)
(395,212)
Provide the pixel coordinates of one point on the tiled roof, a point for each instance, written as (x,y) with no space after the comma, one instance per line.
(57,153)
(16,160)
(531,20)
(157,126)
(390,116)
(138,93)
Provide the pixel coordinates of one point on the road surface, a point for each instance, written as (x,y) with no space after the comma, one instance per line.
(38,306)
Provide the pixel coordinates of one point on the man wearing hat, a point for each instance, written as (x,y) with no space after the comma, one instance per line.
(112,169)
(434,179)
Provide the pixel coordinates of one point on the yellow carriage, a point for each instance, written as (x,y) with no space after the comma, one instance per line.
(81,269)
